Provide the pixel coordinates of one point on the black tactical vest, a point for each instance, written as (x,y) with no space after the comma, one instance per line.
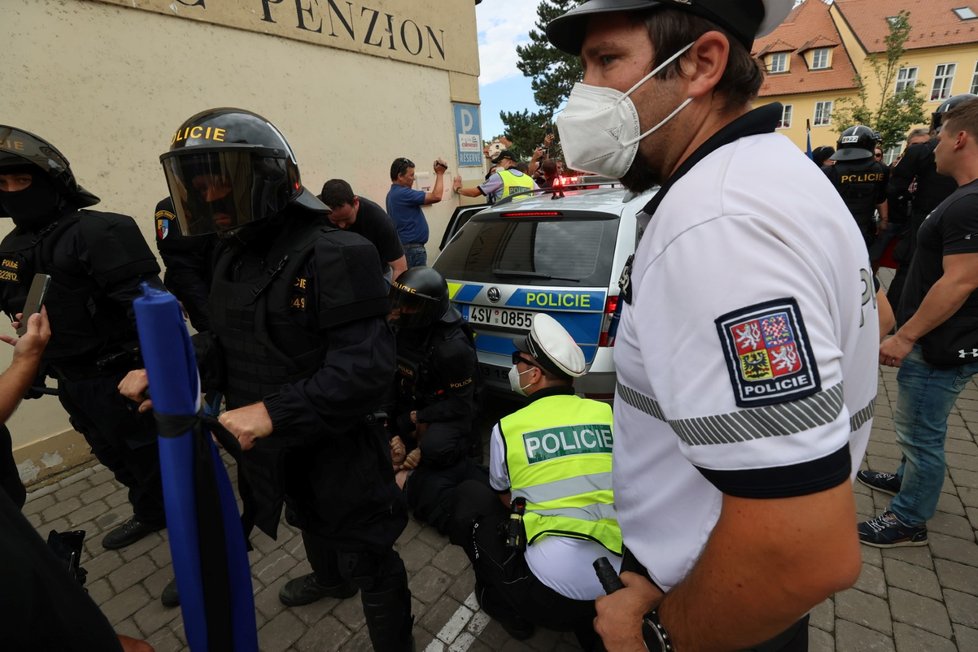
(264,345)
(83,323)
(859,183)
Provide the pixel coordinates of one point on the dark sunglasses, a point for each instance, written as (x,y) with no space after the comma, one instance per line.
(518,357)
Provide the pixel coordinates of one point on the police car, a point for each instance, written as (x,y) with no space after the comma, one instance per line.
(555,251)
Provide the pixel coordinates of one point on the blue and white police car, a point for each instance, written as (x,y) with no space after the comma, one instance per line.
(559,252)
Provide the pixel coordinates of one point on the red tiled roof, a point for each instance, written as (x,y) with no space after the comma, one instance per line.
(776,46)
(933,22)
(810,24)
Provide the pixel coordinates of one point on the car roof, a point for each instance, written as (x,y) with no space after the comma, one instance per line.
(608,200)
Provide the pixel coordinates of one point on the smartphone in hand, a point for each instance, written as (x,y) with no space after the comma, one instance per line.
(35,299)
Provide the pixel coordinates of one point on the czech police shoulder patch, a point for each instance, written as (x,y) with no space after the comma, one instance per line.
(768,353)
(163,220)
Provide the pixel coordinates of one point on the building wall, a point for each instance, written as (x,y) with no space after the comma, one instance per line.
(108,84)
(926,60)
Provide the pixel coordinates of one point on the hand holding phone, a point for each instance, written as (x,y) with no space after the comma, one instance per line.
(35,299)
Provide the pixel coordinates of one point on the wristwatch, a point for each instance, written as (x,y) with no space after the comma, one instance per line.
(654,634)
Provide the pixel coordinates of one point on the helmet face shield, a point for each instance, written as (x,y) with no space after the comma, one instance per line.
(411,309)
(219,191)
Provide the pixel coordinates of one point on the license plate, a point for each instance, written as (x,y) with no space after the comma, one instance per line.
(504,317)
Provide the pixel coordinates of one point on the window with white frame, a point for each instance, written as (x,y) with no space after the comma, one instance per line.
(891,154)
(943,76)
(778,62)
(820,59)
(785,121)
(906,77)
(965,13)
(823,113)
(974,81)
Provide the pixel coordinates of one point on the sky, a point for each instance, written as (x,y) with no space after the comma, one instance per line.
(503,24)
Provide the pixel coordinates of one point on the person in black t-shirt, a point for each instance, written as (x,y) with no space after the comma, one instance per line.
(936,344)
(362,216)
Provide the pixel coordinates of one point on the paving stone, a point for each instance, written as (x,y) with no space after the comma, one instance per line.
(883,449)
(823,616)
(266,599)
(964,447)
(957,576)
(872,580)
(912,639)
(964,478)
(102,565)
(962,607)
(966,638)
(451,559)
(951,525)
(950,503)
(326,634)
(122,605)
(87,513)
(439,613)
(155,582)
(972,513)
(99,591)
(350,613)
(46,490)
(428,584)
(61,508)
(968,496)
(953,548)
(273,566)
(311,614)
(71,490)
(871,555)
(919,611)
(913,578)
(131,572)
(359,642)
(462,585)
(865,609)
(279,633)
(416,554)
(920,556)
(96,493)
(850,636)
(118,497)
(37,505)
(154,616)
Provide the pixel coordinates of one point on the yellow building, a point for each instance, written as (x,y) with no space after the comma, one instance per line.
(352,84)
(812,58)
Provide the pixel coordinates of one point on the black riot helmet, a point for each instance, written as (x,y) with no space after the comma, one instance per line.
(22,151)
(937,117)
(228,168)
(419,298)
(855,143)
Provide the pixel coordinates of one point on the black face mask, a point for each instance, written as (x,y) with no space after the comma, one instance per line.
(34,207)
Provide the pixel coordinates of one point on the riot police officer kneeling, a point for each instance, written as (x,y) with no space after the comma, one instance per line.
(434,404)
(300,346)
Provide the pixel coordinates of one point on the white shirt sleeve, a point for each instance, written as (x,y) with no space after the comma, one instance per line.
(498,471)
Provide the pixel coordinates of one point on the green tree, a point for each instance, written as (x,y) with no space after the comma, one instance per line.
(525,129)
(895,113)
(552,74)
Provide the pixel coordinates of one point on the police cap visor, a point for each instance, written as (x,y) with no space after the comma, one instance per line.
(744,19)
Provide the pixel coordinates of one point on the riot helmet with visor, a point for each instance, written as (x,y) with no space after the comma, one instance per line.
(419,298)
(227,168)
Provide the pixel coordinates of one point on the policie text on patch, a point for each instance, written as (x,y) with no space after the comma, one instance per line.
(543,445)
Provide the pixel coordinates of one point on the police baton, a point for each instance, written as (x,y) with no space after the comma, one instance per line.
(609,579)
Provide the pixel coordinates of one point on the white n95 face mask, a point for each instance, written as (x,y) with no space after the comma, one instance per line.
(600,130)
(514,380)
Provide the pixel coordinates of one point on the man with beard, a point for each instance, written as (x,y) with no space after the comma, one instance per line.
(746,354)
(96,262)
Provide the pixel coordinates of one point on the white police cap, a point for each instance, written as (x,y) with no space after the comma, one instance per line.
(745,20)
(552,347)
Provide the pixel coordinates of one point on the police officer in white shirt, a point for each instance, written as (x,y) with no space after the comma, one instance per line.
(746,355)
(550,460)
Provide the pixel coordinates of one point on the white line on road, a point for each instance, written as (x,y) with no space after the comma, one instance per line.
(461,629)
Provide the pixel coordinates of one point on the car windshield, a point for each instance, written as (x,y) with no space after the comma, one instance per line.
(572,251)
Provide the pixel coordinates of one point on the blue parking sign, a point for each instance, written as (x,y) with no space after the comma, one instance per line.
(468,133)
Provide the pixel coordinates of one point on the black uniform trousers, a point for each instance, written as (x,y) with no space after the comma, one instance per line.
(121,438)
(505,586)
(9,476)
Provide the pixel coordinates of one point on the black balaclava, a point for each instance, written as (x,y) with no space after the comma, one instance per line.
(37,205)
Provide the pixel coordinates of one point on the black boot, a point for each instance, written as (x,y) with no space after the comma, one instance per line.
(389,619)
(170,597)
(307,589)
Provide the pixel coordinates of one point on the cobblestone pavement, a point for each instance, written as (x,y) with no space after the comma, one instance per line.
(906,599)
